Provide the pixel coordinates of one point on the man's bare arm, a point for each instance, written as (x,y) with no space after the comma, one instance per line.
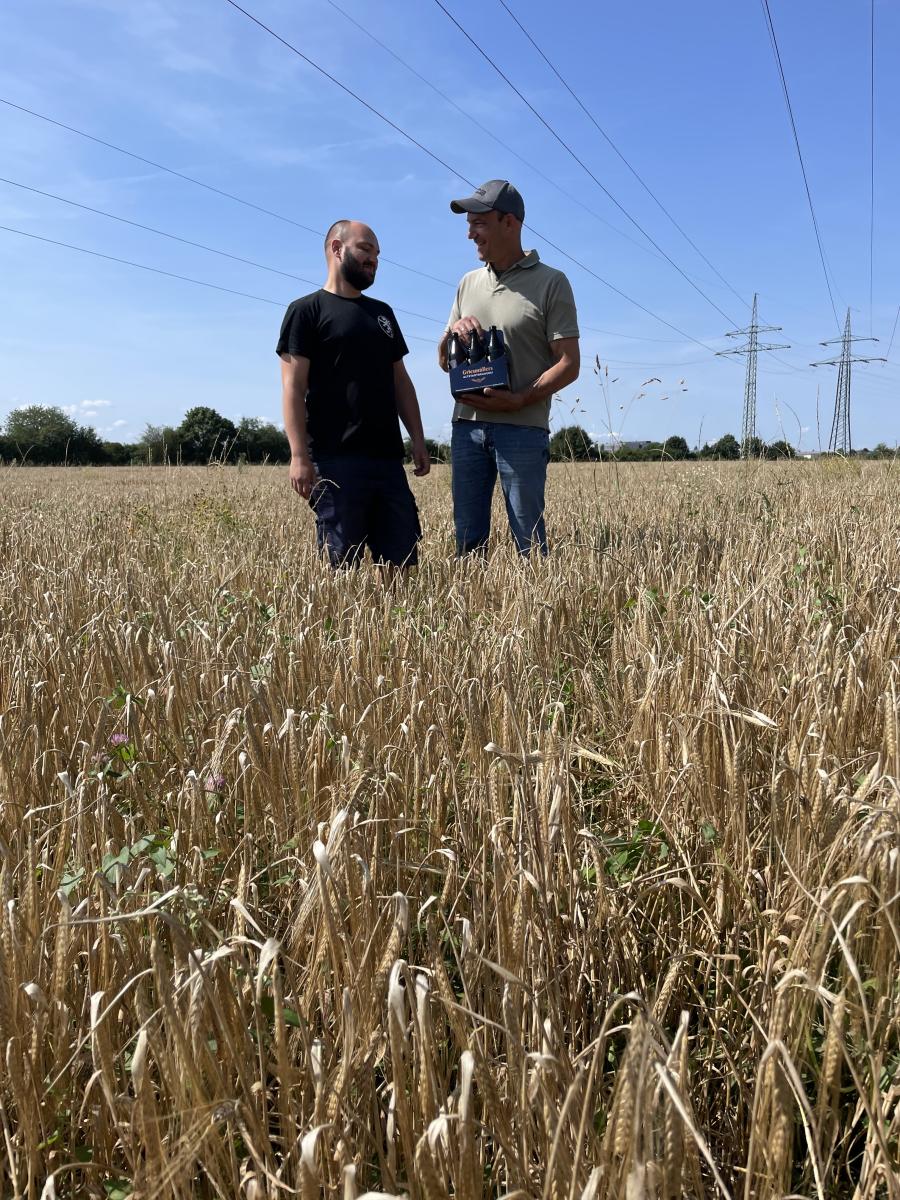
(408,409)
(564,371)
(294,384)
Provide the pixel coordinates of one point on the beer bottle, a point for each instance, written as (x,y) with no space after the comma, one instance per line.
(476,347)
(495,347)
(454,351)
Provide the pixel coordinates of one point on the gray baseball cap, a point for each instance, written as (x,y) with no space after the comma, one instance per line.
(497,195)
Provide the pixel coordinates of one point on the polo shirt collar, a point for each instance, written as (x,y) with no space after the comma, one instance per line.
(529,259)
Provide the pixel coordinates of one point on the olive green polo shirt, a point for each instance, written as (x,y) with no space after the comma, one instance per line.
(533,304)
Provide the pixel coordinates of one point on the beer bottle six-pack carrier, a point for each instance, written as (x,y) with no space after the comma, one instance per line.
(480,364)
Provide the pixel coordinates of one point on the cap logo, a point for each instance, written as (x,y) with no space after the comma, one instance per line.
(386,326)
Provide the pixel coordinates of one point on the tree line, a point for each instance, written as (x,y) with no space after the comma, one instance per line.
(573,443)
(44,435)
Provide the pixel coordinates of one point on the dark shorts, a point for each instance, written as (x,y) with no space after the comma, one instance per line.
(365,502)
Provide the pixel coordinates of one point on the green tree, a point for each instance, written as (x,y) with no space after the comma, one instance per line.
(780,449)
(438,452)
(86,446)
(572,444)
(205,434)
(261,441)
(118,454)
(41,433)
(158,444)
(755,448)
(646,452)
(676,447)
(726,447)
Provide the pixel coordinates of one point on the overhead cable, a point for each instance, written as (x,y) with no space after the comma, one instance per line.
(473,120)
(787,99)
(414,141)
(278,216)
(174,237)
(893,331)
(158,166)
(587,112)
(871,155)
(577,159)
(127,262)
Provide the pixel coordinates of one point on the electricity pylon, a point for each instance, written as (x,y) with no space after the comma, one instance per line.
(840,442)
(751,349)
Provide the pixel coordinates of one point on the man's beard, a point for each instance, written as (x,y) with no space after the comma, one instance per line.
(355,273)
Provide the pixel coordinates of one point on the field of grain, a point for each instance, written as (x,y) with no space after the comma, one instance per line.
(577,878)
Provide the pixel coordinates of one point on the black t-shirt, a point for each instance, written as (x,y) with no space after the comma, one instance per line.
(352,346)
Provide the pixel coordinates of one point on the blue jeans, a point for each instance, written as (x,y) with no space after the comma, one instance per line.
(482,450)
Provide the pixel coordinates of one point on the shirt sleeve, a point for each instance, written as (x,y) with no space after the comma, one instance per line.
(400,347)
(297,331)
(455,311)
(561,319)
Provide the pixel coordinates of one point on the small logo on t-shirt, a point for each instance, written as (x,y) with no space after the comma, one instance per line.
(386,326)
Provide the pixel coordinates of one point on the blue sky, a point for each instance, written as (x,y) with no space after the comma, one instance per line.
(689,94)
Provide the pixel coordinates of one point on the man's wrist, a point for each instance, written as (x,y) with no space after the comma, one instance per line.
(301,456)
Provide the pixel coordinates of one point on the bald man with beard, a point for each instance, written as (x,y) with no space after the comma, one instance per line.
(345,390)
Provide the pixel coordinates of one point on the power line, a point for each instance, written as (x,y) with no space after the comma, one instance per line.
(893,331)
(289,220)
(349,91)
(409,137)
(149,162)
(631,337)
(174,237)
(630,167)
(619,153)
(871,156)
(787,100)
(249,262)
(580,161)
(618,291)
(472,120)
(628,362)
(127,262)
(279,216)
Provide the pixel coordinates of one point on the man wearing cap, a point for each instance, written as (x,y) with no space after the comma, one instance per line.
(504,432)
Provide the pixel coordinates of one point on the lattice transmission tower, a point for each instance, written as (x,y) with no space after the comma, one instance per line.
(840,441)
(751,349)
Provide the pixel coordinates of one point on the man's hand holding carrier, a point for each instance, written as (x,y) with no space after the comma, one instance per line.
(477,362)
